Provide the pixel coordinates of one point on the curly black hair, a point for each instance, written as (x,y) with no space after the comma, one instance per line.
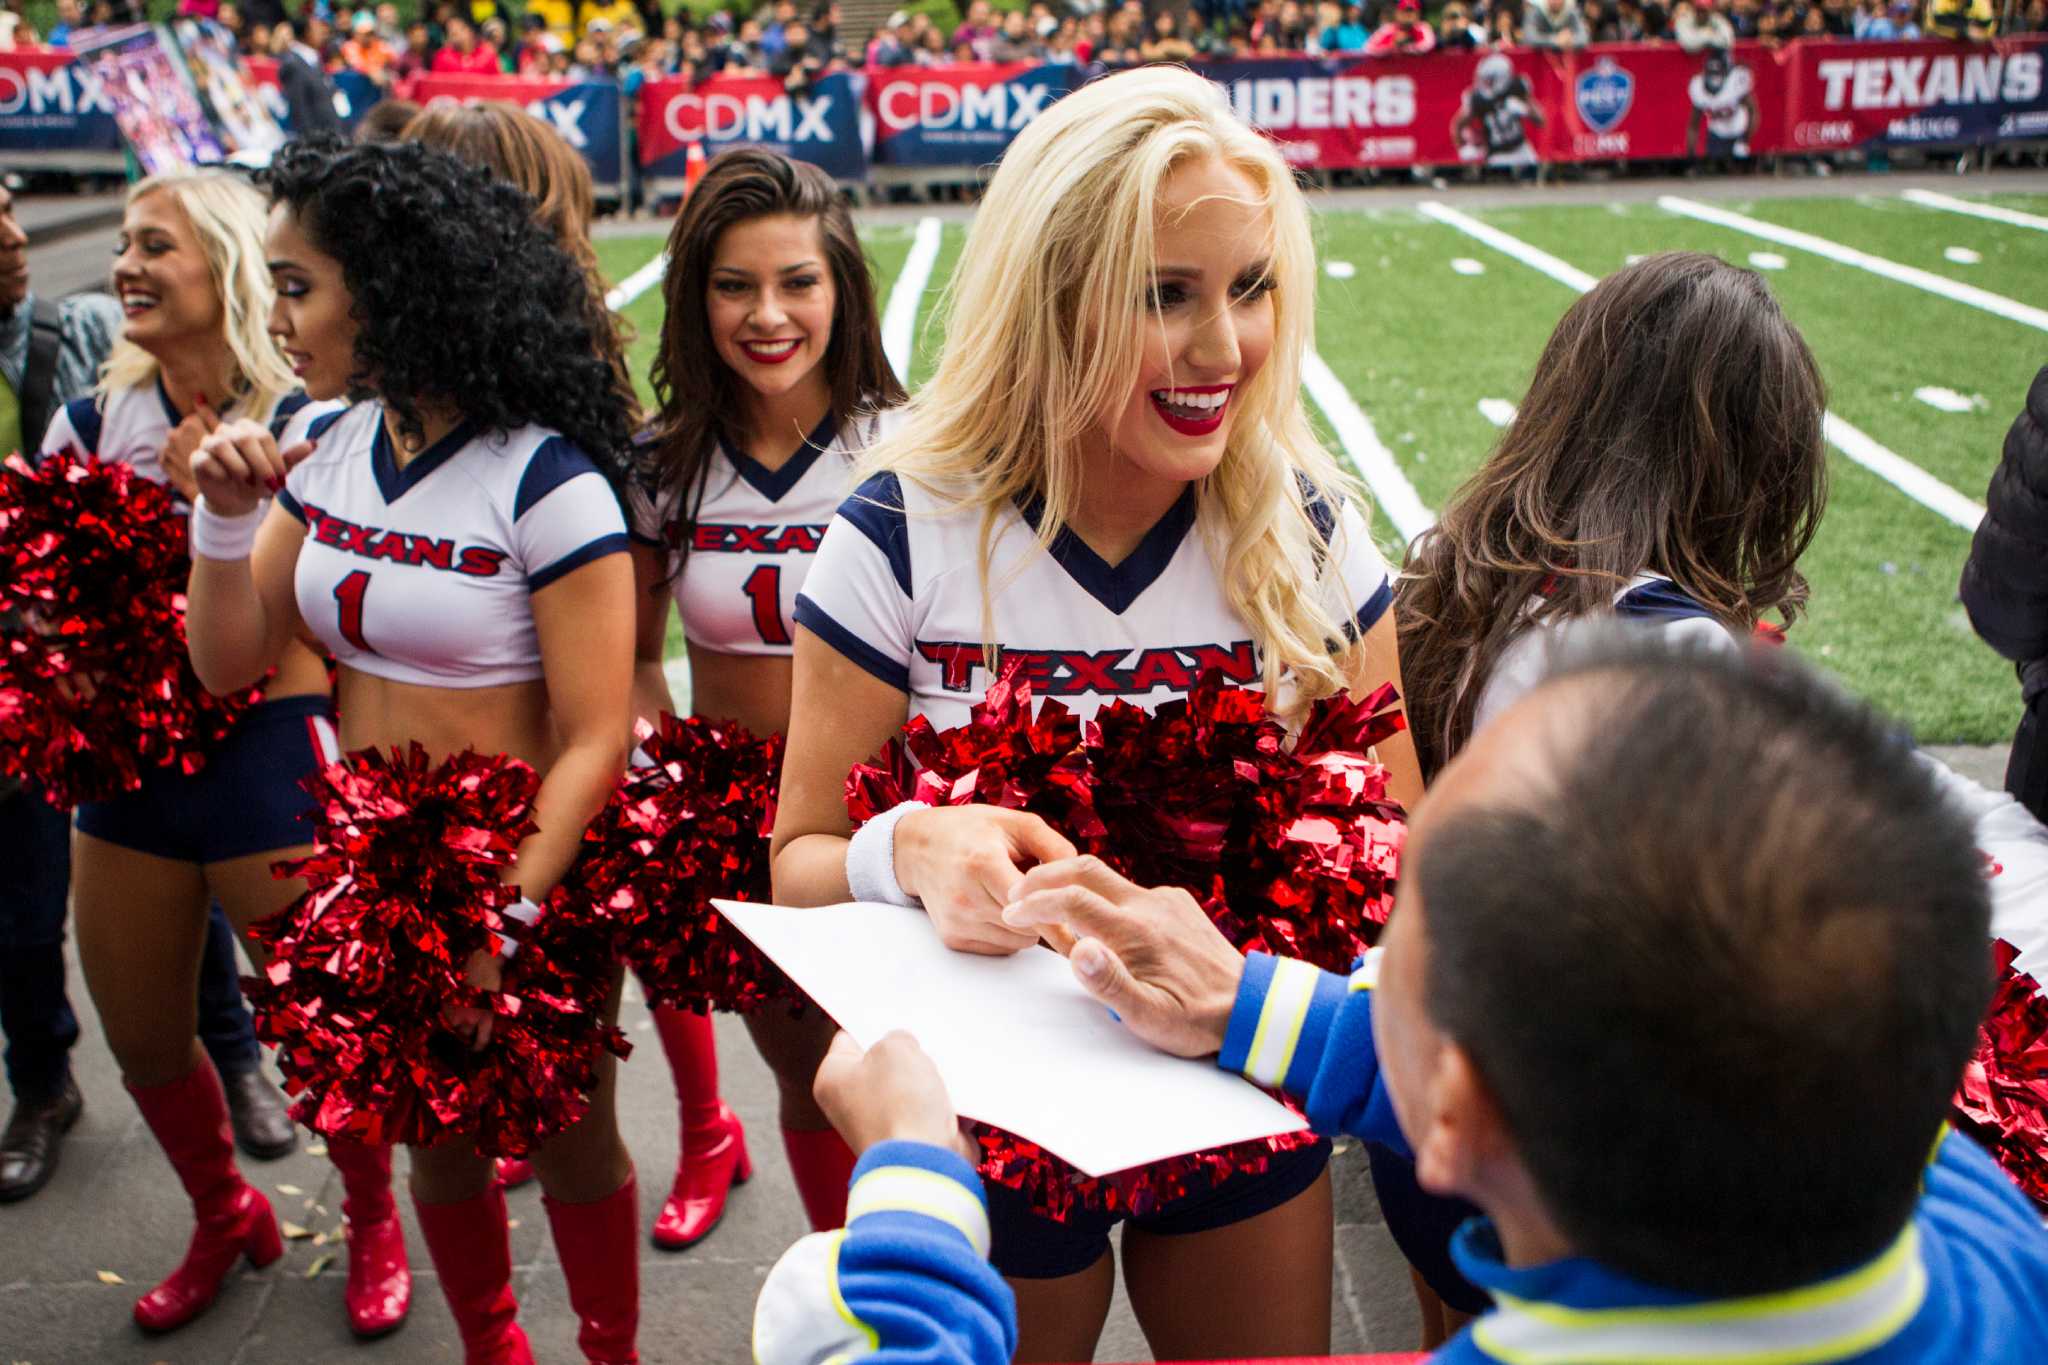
(460,295)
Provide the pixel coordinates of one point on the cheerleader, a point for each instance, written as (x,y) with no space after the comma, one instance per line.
(454,538)
(1111,481)
(519,149)
(770,374)
(194,352)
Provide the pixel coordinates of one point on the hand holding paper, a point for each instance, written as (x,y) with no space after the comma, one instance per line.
(1016,1040)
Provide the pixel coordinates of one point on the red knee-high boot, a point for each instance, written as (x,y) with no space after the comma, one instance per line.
(599,1247)
(190,1119)
(822,1164)
(714,1148)
(379,1289)
(472,1251)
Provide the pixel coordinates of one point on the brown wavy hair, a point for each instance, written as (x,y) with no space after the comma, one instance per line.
(1673,426)
(696,393)
(518,148)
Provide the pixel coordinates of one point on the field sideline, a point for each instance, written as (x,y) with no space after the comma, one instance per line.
(1928,319)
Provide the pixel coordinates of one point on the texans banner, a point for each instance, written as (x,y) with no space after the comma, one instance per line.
(1907,94)
(961,115)
(54,114)
(590,115)
(821,127)
(1660,102)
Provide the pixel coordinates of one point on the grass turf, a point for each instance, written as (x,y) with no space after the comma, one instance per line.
(1419,345)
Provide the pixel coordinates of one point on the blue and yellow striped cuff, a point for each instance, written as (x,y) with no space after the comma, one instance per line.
(916,1177)
(1281,1021)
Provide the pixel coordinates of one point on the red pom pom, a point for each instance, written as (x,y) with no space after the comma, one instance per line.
(1291,848)
(93,561)
(692,825)
(2003,1098)
(404,888)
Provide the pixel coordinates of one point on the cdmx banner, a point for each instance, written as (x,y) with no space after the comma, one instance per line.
(822,125)
(54,113)
(588,114)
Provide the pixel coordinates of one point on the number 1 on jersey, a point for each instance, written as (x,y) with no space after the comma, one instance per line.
(348,595)
(764,589)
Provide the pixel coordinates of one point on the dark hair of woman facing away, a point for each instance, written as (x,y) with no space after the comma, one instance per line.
(1673,426)
(698,395)
(462,297)
(522,150)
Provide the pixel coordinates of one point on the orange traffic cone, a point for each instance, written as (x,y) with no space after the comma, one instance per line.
(693,166)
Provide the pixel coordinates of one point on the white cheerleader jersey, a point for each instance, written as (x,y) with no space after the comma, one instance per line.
(1648,600)
(424,574)
(754,537)
(132,425)
(1726,109)
(896,589)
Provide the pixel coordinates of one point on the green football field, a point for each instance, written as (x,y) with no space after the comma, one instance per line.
(1928,323)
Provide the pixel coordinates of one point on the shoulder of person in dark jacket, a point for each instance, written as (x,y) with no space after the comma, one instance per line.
(2005,580)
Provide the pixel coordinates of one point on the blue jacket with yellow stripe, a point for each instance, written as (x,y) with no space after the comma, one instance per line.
(908,1280)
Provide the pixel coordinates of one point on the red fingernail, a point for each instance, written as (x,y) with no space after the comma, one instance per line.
(276,485)
(202,400)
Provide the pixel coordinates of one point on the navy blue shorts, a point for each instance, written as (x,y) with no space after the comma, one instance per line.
(1422,1224)
(1029,1246)
(247,799)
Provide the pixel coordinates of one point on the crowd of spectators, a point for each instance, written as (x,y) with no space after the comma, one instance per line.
(639,40)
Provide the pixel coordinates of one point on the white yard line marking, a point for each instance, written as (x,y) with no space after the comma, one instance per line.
(1962,255)
(1768,260)
(1948,400)
(1498,411)
(1390,487)
(637,283)
(899,315)
(1465,265)
(1909,478)
(1993,212)
(2012,309)
(1339,270)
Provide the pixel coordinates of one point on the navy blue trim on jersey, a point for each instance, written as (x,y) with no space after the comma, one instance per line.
(1369,615)
(87,420)
(1322,513)
(318,426)
(287,408)
(613,544)
(1117,587)
(876,510)
(1660,600)
(772,484)
(163,396)
(392,480)
(291,505)
(818,622)
(553,463)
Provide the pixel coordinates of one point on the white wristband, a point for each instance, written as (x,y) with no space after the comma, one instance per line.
(528,914)
(215,536)
(871,859)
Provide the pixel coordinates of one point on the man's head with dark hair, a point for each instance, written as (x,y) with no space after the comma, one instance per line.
(1689,956)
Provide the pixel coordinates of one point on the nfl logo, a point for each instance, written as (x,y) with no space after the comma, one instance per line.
(1604,95)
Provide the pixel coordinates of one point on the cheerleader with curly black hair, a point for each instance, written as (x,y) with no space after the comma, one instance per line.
(455,540)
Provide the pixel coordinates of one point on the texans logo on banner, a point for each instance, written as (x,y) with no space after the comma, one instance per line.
(1604,95)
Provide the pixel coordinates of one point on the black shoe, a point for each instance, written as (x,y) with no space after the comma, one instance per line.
(263,1127)
(35,1134)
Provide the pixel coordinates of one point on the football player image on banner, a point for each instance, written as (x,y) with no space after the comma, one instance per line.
(1724,115)
(155,104)
(1494,118)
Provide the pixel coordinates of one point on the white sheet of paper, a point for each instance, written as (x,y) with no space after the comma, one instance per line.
(1019,1043)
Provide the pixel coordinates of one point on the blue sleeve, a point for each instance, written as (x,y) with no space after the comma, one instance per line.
(908,1280)
(1309,1032)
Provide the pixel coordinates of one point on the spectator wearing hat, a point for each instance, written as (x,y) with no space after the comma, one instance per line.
(366,52)
(1699,25)
(1405,33)
(1891,24)
(616,15)
(887,47)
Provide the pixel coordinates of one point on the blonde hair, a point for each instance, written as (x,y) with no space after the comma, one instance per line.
(1046,317)
(226,214)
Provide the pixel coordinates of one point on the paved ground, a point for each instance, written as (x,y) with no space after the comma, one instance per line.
(114,1207)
